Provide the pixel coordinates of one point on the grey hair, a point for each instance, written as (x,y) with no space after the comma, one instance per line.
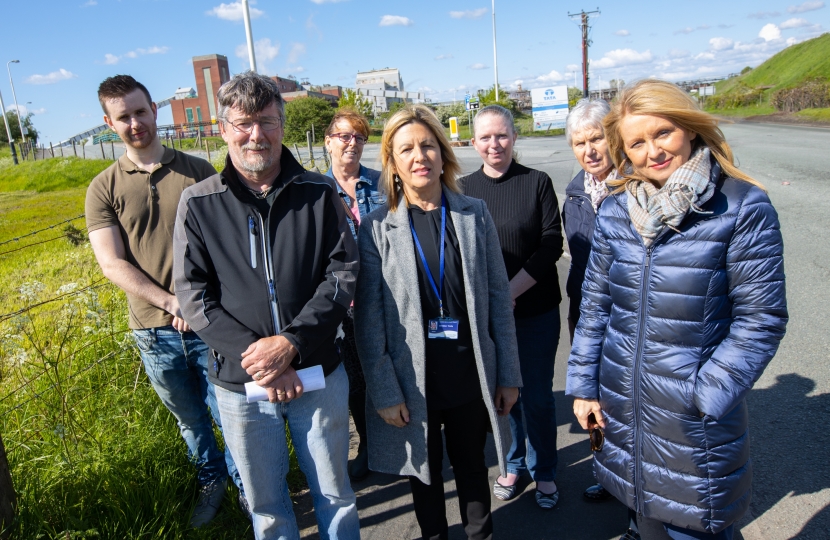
(586,113)
(251,93)
(495,110)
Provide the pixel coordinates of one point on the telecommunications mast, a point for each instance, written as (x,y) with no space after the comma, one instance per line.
(584,17)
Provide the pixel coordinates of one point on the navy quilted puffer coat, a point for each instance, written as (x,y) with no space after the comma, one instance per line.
(670,340)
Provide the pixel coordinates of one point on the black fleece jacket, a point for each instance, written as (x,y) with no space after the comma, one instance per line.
(224,270)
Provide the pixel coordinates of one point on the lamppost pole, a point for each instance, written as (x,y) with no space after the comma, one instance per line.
(8,129)
(246,15)
(495,57)
(16,106)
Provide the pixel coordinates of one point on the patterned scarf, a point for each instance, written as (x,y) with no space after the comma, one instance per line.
(654,210)
(596,188)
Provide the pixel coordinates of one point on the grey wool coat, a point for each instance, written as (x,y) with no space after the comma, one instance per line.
(390,332)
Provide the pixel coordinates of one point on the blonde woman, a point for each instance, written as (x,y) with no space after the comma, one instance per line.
(434,327)
(683,307)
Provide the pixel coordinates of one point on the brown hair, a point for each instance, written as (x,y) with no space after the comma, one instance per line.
(119,86)
(666,100)
(424,116)
(354,118)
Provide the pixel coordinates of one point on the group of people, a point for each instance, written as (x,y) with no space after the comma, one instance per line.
(430,303)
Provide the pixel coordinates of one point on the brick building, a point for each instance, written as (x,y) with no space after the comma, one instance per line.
(211,72)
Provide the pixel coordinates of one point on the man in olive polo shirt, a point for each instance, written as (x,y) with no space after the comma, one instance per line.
(130,215)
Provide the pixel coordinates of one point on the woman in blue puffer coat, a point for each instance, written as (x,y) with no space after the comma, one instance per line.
(683,307)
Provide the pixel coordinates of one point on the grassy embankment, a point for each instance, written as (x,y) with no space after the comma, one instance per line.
(93,453)
(789,68)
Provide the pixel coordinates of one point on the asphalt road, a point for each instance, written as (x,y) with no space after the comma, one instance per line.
(789,406)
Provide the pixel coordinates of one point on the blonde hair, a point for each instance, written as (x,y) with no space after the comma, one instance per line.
(424,116)
(666,100)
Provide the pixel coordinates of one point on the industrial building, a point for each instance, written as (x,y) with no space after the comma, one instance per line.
(385,80)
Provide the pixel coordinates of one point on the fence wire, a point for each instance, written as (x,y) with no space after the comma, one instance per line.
(94,285)
(17,238)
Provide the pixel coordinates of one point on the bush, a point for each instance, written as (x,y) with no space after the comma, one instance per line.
(741,96)
(301,113)
(813,94)
(445,112)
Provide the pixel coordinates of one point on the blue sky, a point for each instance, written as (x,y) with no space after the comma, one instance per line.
(443,48)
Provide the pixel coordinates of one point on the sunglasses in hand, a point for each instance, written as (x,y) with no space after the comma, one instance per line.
(595,434)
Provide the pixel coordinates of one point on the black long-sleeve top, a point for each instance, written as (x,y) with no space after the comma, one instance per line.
(451,373)
(526,213)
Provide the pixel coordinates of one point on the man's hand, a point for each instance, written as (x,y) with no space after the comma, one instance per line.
(172,307)
(505,398)
(396,415)
(267,358)
(583,408)
(286,387)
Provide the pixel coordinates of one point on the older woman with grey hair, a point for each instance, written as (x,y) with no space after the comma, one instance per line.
(583,196)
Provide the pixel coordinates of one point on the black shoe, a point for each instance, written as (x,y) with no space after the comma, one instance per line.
(630,534)
(210,499)
(597,493)
(359,466)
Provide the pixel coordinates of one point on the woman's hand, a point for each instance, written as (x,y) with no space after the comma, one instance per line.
(583,408)
(505,398)
(396,415)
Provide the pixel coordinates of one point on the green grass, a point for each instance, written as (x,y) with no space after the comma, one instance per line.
(795,64)
(49,174)
(743,112)
(818,115)
(93,453)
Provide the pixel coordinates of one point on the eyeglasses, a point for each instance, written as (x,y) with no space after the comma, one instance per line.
(596,435)
(247,126)
(346,138)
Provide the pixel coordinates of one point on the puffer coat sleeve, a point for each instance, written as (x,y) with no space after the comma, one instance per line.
(755,271)
(583,366)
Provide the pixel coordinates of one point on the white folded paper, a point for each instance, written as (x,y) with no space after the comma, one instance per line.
(312,379)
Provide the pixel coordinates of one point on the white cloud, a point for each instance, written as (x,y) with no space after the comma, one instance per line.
(233,11)
(326,1)
(794,23)
(111,59)
(51,78)
(395,20)
(553,76)
(806,6)
(469,14)
(621,57)
(622,33)
(573,67)
(264,51)
(90,3)
(297,50)
(792,41)
(443,57)
(689,29)
(478,66)
(42,110)
(721,43)
(298,69)
(763,14)
(770,32)
(678,53)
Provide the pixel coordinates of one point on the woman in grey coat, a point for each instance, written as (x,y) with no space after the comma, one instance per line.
(434,327)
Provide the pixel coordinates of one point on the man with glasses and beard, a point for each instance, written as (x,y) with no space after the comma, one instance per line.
(130,214)
(265,269)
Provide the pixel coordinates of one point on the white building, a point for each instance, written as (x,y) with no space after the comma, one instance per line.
(388,79)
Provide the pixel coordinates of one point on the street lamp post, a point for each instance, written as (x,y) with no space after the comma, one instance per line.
(16,106)
(246,15)
(495,58)
(8,129)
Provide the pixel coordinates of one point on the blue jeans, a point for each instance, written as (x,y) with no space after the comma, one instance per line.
(319,425)
(177,365)
(533,417)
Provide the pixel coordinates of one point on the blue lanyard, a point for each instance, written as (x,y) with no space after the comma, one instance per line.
(439,289)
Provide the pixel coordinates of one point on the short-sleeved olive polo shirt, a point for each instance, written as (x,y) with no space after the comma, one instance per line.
(143,206)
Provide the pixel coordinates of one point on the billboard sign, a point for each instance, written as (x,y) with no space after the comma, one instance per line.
(550,107)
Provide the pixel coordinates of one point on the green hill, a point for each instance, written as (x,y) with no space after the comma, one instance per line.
(795,64)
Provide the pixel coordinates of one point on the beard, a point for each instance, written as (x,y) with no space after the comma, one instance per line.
(256,163)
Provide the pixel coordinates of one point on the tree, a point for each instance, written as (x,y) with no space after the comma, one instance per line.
(352,100)
(488,97)
(14,125)
(301,113)
(445,112)
(574,95)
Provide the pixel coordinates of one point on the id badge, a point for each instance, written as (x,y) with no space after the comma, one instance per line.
(442,328)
